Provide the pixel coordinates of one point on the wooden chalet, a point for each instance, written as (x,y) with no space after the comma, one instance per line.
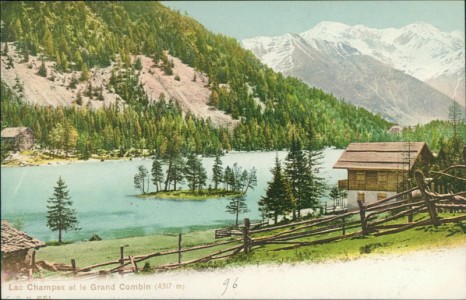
(18,138)
(380,170)
(18,251)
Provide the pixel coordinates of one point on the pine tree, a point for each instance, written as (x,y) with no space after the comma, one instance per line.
(175,175)
(217,172)
(157,174)
(140,180)
(297,173)
(79,98)
(279,197)
(60,216)
(316,183)
(84,72)
(42,70)
(241,182)
(227,178)
(192,171)
(237,205)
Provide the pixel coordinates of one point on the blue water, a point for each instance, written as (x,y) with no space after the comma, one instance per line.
(103,196)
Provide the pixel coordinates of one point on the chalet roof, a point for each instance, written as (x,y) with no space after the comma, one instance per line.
(380,156)
(14,240)
(12,132)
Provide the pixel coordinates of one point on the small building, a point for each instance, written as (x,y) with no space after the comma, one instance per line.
(18,138)
(395,129)
(378,170)
(18,251)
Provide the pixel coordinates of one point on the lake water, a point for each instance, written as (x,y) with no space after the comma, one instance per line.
(103,196)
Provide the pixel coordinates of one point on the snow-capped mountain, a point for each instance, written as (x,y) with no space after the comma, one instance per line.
(390,71)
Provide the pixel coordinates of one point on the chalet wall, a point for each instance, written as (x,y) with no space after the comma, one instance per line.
(369,197)
(374,180)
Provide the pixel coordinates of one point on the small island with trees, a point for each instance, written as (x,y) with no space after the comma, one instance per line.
(190,170)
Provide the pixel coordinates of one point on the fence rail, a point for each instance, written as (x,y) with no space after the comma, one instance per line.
(373,219)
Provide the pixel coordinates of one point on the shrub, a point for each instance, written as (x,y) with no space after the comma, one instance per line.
(95,237)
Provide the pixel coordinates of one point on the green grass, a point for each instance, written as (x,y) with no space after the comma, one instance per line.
(90,253)
(419,238)
(189,195)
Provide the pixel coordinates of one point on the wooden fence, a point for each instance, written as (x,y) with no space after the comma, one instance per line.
(369,219)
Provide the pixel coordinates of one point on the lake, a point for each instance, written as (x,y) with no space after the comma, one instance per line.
(104,197)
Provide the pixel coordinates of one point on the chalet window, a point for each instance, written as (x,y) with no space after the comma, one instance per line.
(381,196)
(361,196)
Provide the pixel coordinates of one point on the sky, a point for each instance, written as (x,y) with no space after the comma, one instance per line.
(245,19)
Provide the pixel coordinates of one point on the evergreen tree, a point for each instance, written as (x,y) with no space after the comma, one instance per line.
(241,182)
(84,72)
(175,174)
(279,197)
(194,172)
(60,216)
(455,115)
(217,172)
(316,183)
(237,205)
(298,175)
(157,174)
(140,180)
(227,178)
(79,98)
(42,70)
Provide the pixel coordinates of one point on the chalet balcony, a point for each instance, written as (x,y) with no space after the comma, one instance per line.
(343,184)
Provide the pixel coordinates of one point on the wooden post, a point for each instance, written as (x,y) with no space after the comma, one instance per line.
(179,248)
(73,265)
(33,263)
(427,198)
(362,214)
(122,261)
(247,224)
(410,215)
(343,226)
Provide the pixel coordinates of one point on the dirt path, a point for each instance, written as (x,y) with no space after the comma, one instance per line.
(434,274)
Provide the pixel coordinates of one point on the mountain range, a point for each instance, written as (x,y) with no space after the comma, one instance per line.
(409,75)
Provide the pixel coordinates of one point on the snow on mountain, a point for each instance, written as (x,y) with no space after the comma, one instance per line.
(420,50)
(418,58)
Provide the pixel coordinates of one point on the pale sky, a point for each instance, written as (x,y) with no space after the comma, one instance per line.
(245,19)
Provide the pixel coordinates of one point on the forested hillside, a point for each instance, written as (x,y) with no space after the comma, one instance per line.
(78,36)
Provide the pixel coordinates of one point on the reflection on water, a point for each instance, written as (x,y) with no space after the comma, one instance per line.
(103,196)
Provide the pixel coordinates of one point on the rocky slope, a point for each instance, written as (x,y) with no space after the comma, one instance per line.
(409,75)
(54,90)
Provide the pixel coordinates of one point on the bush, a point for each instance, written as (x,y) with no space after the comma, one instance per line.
(95,237)
(147,268)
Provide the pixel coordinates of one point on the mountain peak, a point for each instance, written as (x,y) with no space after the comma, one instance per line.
(419,50)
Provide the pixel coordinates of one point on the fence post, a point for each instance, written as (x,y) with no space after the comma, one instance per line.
(427,198)
(362,214)
(410,215)
(343,225)
(247,224)
(33,263)
(73,265)
(122,260)
(179,248)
